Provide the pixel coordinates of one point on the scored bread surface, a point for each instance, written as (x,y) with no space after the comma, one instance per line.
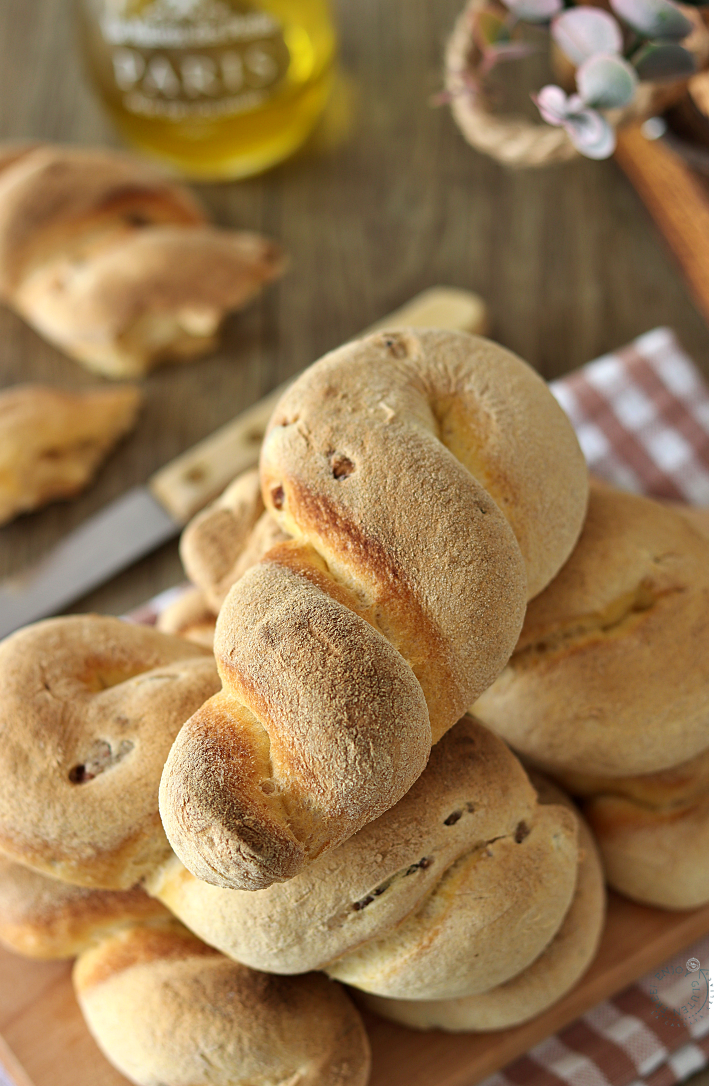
(546,980)
(463,882)
(610,674)
(421,476)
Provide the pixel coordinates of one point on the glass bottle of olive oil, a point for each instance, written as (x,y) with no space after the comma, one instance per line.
(217,88)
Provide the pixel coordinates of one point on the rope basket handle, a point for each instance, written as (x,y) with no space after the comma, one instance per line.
(515,140)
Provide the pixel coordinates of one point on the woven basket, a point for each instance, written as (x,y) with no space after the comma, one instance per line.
(513,139)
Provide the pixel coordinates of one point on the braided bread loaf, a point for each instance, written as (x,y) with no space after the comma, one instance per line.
(114,263)
(228,537)
(458,887)
(429,483)
(89,706)
(165,1008)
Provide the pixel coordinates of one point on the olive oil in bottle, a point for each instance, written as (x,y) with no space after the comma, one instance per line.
(216,88)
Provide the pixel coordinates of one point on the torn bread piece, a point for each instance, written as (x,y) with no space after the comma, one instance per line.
(114,262)
(52,442)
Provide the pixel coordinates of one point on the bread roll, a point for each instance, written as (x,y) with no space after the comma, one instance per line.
(53,442)
(457,887)
(609,677)
(228,537)
(677,786)
(547,979)
(653,832)
(429,482)
(166,1009)
(89,706)
(45,918)
(189,616)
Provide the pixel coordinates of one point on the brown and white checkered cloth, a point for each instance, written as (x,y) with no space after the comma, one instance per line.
(641,418)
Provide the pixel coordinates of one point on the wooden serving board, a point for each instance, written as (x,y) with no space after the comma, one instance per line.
(44,1041)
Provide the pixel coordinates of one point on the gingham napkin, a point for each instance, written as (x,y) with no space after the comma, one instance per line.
(641,417)
(652,1034)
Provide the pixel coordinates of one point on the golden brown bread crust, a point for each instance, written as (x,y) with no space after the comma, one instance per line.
(422,477)
(459,861)
(52,442)
(653,834)
(61,200)
(284,796)
(657,857)
(547,979)
(166,1009)
(45,918)
(228,537)
(609,677)
(674,787)
(697,518)
(12,152)
(113,262)
(189,616)
(89,706)
(160,295)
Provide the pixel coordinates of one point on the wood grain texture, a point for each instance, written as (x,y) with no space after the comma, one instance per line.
(42,1025)
(386,200)
(677,202)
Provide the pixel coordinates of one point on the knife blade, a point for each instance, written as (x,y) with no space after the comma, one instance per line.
(147,516)
(115,537)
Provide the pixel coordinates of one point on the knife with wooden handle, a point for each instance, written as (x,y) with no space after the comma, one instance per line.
(147,516)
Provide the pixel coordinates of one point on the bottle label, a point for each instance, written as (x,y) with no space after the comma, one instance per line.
(179,59)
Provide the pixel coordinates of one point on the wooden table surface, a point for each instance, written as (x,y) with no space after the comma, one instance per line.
(386,200)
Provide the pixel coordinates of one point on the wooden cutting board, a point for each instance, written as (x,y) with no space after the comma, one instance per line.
(44,1041)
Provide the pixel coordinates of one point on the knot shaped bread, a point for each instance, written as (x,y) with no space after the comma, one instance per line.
(89,707)
(429,483)
(458,887)
(610,674)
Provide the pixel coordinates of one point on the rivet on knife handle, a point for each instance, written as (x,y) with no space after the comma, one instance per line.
(190,481)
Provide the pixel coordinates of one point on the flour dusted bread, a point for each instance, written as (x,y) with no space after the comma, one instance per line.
(547,979)
(429,483)
(89,706)
(114,263)
(228,537)
(52,442)
(165,1008)
(609,676)
(457,887)
(45,918)
(653,832)
(189,616)
(160,295)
